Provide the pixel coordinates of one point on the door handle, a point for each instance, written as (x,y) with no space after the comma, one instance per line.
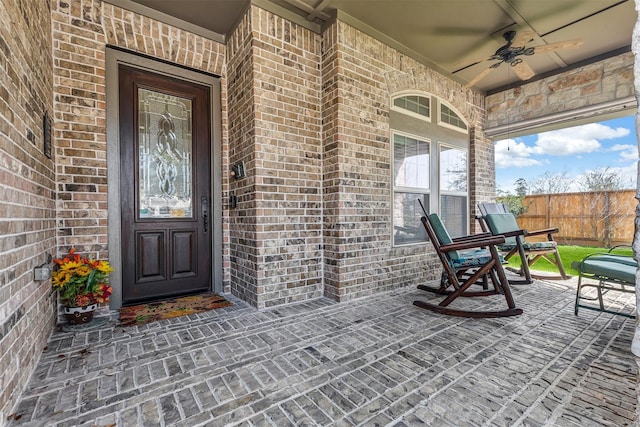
(204,202)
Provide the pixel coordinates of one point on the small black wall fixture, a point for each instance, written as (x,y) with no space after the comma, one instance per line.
(46,134)
(237,170)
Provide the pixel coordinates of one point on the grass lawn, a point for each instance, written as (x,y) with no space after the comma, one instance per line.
(568,254)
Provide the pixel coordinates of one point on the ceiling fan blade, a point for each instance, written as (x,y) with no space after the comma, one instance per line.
(479,77)
(522,38)
(567,44)
(523,71)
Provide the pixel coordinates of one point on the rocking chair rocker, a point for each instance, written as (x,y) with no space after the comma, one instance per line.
(465,261)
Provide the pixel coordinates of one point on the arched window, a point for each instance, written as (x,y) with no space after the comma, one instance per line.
(429,153)
(450,118)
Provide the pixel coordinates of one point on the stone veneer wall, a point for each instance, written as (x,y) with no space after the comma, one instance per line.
(27,193)
(275,128)
(360,75)
(599,83)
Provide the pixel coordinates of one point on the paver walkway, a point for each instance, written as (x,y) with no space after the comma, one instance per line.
(374,361)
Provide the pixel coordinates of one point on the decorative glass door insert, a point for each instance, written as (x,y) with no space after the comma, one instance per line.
(165,148)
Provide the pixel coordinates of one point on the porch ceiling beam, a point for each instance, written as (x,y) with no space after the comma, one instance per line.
(318,11)
(314,12)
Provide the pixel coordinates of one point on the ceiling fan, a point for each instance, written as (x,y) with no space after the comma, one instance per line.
(512,53)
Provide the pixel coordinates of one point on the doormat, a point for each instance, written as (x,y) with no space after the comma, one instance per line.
(167,309)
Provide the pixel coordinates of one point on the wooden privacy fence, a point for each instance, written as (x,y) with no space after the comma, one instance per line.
(603,218)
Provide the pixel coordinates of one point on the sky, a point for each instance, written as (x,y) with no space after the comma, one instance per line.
(572,151)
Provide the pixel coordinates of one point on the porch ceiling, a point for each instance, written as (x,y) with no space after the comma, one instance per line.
(453,36)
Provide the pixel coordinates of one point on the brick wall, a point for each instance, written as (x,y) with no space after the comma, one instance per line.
(482,173)
(243,240)
(274,237)
(81,31)
(360,75)
(309,120)
(27,194)
(303,113)
(288,165)
(274,116)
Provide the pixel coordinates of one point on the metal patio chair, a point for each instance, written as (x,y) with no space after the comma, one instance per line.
(611,272)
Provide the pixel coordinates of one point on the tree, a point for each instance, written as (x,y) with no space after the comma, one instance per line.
(551,183)
(455,175)
(521,187)
(514,203)
(601,179)
(605,215)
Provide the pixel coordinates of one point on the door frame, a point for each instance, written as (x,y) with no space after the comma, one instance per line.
(114,57)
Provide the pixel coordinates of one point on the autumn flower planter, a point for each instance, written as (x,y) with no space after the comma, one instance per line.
(82,284)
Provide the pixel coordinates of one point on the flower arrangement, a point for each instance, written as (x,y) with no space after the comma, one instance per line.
(81,281)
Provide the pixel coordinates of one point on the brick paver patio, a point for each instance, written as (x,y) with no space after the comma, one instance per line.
(374,361)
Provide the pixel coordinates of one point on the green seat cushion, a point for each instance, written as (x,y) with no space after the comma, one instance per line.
(623,259)
(608,266)
(500,223)
(442,234)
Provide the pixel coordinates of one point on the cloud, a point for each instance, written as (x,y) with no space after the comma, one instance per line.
(628,177)
(510,153)
(627,151)
(576,140)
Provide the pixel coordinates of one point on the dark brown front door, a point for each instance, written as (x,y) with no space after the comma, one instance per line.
(165,185)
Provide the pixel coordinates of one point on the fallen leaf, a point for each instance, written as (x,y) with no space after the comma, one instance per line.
(109,372)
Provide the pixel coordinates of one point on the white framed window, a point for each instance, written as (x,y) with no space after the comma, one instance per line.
(430,165)
(411,182)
